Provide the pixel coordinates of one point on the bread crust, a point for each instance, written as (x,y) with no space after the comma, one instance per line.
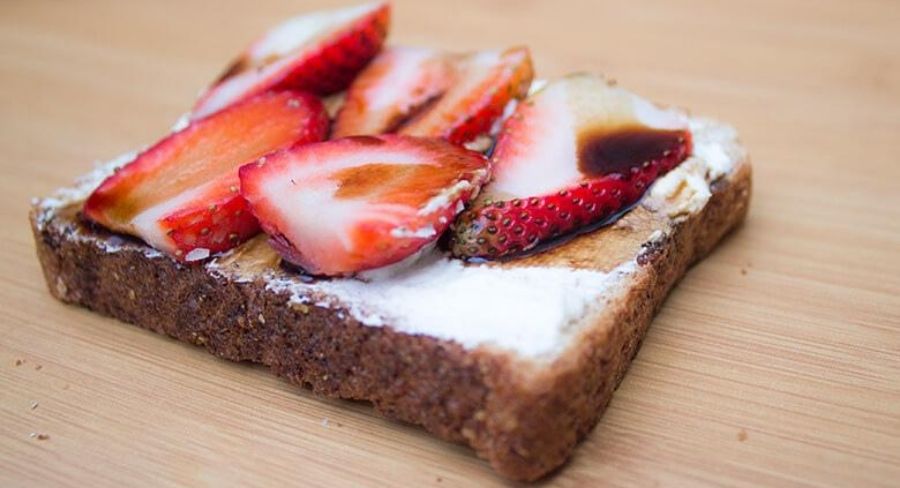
(523,416)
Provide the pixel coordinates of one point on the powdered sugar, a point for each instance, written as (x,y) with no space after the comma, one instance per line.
(82,187)
(443,199)
(197,254)
(181,123)
(420,233)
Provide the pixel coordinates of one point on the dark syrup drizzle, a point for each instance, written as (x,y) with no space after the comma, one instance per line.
(602,152)
(301,273)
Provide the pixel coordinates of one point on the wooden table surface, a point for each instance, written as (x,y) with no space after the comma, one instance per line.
(775,362)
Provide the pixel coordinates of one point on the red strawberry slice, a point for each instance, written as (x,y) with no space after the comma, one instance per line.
(320,52)
(574,155)
(434,94)
(484,83)
(357,203)
(386,94)
(181,194)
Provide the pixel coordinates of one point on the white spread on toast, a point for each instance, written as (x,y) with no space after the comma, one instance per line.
(531,311)
(528,310)
(685,190)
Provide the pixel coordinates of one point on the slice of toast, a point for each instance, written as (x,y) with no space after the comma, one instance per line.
(516,359)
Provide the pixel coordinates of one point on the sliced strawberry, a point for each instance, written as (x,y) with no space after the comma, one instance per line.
(575,154)
(182,193)
(214,218)
(320,52)
(343,206)
(433,94)
(386,94)
(484,83)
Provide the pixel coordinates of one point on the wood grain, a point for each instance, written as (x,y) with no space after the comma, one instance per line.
(776,361)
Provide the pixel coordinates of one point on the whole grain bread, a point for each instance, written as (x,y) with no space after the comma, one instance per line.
(524,415)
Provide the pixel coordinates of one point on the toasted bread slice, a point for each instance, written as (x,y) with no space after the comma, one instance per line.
(517,359)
